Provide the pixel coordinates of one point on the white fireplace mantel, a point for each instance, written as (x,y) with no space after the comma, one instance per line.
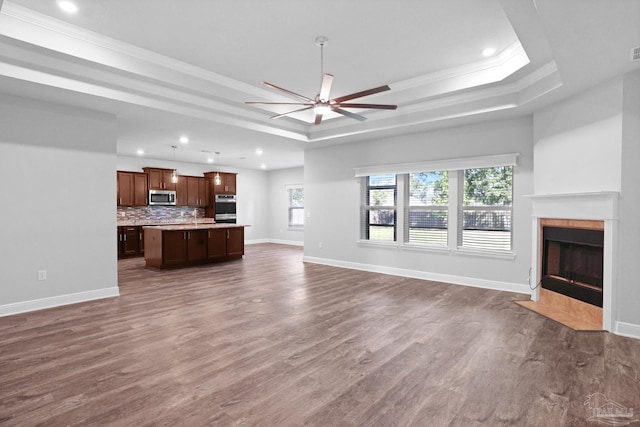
(602,206)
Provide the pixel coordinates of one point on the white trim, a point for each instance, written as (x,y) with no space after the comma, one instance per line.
(423,247)
(597,205)
(627,330)
(424,275)
(256,241)
(286,242)
(276,241)
(601,206)
(439,165)
(56,301)
(293,186)
(379,243)
(460,250)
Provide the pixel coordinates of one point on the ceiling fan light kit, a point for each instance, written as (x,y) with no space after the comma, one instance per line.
(322,104)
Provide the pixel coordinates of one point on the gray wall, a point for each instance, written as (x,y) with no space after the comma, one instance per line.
(333,203)
(57,167)
(629,205)
(279,206)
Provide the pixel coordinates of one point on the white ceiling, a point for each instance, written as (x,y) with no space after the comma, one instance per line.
(169,68)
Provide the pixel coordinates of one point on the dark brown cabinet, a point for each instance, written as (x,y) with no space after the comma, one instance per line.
(168,247)
(184,247)
(159,179)
(191,191)
(196,245)
(181,191)
(132,189)
(130,241)
(217,243)
(174,248)
(197,191)
(227,183)
(235,241)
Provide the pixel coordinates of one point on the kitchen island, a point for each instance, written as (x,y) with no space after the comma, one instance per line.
(176,246)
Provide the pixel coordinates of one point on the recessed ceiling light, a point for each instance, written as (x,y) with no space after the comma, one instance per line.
(259,151)
(184,139)
(140,152)
(67,6)
(489,51)
(209,160)
(263,166)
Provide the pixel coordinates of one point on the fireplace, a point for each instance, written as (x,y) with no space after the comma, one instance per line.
(572,262)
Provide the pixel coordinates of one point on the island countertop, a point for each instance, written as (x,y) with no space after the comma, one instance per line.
(192,226)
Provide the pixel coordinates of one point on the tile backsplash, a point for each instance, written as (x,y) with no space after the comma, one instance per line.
(158,213)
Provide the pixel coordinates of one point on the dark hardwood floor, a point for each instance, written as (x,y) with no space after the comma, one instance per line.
(271,341)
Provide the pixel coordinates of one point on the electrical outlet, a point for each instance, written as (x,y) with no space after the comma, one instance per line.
(42,274)
(320,245)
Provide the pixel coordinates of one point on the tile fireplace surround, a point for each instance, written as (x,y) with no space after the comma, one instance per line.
(600,206)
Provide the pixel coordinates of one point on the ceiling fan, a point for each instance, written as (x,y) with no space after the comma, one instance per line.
(322,103)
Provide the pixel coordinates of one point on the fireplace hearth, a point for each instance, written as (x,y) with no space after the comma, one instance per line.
(572,263)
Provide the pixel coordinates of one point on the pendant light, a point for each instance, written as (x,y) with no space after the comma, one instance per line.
(174,174)
(217,180)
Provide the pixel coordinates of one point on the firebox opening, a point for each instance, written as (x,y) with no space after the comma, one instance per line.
(572,263)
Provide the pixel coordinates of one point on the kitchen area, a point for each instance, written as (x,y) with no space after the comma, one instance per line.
(176,220)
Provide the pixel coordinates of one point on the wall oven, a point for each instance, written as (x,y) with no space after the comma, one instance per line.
(162,197)
(225,207)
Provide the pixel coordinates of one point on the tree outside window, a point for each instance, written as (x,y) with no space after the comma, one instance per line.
(487,208)
(296,207)
(427,210)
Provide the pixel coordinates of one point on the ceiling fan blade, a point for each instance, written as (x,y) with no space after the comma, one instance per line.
(275,103)
(318,119)
(361,94)
(349,114)
(325,88)
(378,106)
(277,116)
(296,95)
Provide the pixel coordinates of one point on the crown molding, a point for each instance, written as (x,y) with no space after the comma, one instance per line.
(91,38)
(101,66)
(514,54)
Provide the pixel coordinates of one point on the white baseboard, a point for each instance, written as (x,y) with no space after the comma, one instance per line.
(50,302)
(627,330)
(286,242)
(424,275)
(277,241)
(256,241)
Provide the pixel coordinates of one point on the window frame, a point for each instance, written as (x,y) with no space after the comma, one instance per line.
(365,225)
(408,208)
(461,208)
(291,208)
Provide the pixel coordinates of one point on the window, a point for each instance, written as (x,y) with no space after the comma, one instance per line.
(485,215)
(462,206)
(296,207)
(379,208)
(427,208)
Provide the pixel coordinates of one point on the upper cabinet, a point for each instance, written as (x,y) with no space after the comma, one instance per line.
(160,179)
(191,191)
(132,189)
(181,191)
(226,185)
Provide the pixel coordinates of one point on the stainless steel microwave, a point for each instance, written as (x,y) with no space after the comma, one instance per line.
(162,197)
